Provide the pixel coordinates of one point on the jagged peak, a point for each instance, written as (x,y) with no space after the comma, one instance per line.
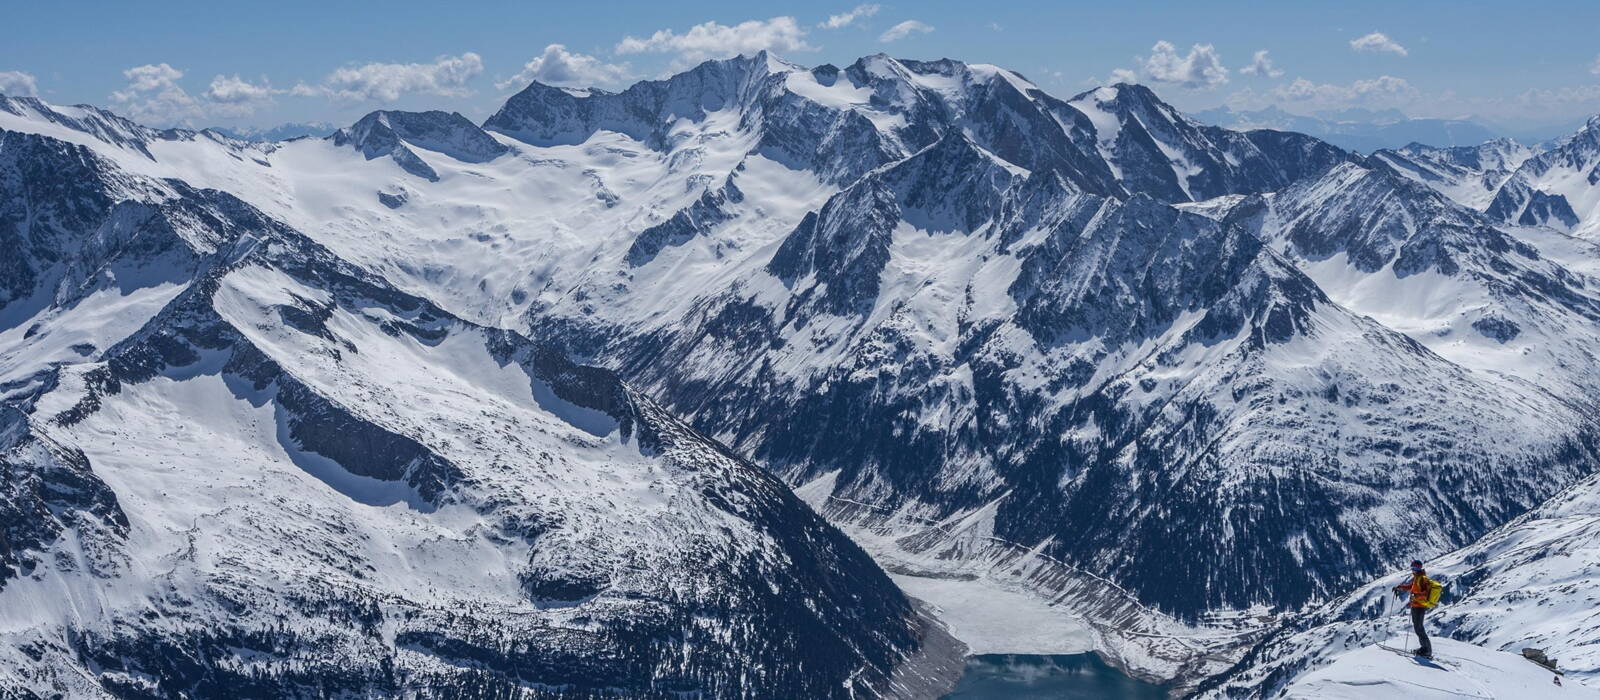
(381,133)
(1126,97)
(1349,180)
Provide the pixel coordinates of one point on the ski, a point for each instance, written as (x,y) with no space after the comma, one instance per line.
(1402,652)
(1433,661)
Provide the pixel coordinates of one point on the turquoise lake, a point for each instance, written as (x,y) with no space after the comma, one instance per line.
(1029,676)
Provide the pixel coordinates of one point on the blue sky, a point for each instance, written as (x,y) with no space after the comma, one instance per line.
(1516,65)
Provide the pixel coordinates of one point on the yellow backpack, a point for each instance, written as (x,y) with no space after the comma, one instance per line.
(1435,589)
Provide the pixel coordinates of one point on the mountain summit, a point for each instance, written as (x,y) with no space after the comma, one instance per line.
(643,392)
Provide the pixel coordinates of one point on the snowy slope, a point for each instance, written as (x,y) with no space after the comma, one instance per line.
(1462,671)
(290,479)
(1533,582)
(1168,371)
(1559,188)
(1469,175)
(963,315)
(1443,274)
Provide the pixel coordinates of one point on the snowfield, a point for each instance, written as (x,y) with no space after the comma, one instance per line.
(1459,671)
(517,405)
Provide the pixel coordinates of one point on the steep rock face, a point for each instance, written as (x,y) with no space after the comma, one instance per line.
(545,115)
(52,493)
(1158,152)
(1518,203)
(1168,369)
(96,252)
(318,482)
(87,123)
(923,346)
(1469,175)
(958,312)
(1559,188)
(45,216)
(386,133)
(842,123)
(1384,246)
(834,259)
(711,209)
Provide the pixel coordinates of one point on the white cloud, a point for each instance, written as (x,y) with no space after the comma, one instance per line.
(1581,97)
(1261,67)
(1383,91)
(558,66)
(1200,69)
(712,40)
(1595,69)
(903,30)
(1122,75)
(233,96)
(147,78)
(236,90)
(1377,41)
(845,20)
(154,96)
(18,84)
(386,82)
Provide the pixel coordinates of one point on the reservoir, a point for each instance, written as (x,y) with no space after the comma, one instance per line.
(1053,676)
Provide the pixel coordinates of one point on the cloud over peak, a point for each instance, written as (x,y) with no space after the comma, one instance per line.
(153,95)
(558,66)
(712,40)
(1200,69)
(18,84)
(386,82)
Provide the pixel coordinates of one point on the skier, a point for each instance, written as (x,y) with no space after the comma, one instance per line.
(1424,595)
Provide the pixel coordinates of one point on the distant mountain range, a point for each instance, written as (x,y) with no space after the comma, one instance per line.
(585,398)
(281,132)
(1359,130)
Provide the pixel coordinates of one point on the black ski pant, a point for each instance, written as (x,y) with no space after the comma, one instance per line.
(1426,646)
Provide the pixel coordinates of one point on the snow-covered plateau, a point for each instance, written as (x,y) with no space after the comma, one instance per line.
(764,380)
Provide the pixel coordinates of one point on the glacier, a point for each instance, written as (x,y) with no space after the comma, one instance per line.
(1172,388)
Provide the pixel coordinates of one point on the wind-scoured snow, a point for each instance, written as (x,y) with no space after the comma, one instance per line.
(279,472)
(1159,377)
(1532,583)
(1559,188)
(1460,671)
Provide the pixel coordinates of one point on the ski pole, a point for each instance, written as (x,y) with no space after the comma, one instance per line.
(1408,631)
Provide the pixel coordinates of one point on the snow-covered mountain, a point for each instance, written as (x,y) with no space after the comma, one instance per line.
(1559,188)
(237,464)
(1470,175)
(1531,583)
(393,134)
(1158,378)
(281,132)
(1407,256)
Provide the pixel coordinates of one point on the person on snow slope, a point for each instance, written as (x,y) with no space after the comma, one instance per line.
(1424,595)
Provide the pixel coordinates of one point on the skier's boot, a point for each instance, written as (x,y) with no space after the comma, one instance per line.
(1424,653)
